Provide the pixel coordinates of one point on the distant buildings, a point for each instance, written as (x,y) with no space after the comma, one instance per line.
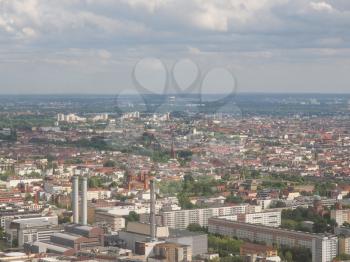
(73,118)
(70,118)
(130,115)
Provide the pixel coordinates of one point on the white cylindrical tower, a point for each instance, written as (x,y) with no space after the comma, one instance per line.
(75,199)
(84,201)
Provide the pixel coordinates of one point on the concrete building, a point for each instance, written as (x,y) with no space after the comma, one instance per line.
(171,252)
(341,216)
(266,218)
(198,241)
(71,240)
(31,229)
(113,221)
(344,245)
(180,219)
(323,247)
(9,214)
(93,194)
(137,237)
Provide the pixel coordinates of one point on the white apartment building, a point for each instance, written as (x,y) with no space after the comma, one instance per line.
(341,216)
(323,247)
(98,194)
(267,218)
(180,219)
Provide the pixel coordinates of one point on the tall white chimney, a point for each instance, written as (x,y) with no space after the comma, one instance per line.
(153,212)
(75,199)
(84,201)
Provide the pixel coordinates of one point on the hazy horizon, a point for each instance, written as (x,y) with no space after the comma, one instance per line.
(271,46)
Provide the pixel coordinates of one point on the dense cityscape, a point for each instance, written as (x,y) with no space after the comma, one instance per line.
(174,131)
(86,178)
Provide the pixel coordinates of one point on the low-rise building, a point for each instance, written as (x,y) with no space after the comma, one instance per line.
(113,221)
(26,230)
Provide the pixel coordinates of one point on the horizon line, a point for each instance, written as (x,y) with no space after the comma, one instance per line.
(174,94)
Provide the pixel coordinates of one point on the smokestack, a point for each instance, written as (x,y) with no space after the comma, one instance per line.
(75,199)
(152,212)
(84,201)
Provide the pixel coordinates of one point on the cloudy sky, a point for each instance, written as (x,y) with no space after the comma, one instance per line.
(92,46)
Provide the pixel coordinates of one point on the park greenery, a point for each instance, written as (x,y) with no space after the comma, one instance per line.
(295,254)
(226,247)
(293,219)
(202,186)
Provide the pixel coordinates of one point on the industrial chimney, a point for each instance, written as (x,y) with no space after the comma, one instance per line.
(152,212)
(84,201)
(75,199)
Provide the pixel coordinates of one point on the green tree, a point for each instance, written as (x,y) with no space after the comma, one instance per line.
(109,163)
(132,217)
(94,182)
(234,199)
(197,228)
(288,256)
(320,226)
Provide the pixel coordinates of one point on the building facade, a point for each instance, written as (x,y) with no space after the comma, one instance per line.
(180,219)
(114,222)
(323,248)
(341,216)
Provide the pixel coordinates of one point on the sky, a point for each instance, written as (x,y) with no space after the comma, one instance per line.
(94,46)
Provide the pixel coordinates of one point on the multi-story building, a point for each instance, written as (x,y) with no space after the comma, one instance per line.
(344,245)
(341,216)
(74,238)
(180,219)
(323,247)
(9,214)
(28,230)
(171,252)
(98,194)
(266,218)
(113,221)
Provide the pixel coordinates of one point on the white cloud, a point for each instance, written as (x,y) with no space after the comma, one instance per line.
(150,5)
(321,6)
(98,34)
(104,54)
(29,32)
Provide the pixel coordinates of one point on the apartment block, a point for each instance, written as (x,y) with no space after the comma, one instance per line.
(323,247)
(180,219)
(266,218)
(341,216)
